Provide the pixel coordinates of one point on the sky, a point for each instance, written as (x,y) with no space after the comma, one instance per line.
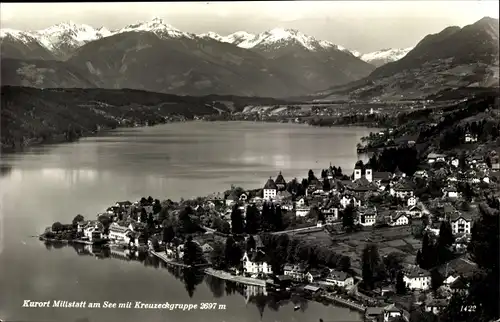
(365,26)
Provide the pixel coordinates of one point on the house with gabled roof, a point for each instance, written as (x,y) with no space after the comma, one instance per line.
(256,262)
(401,190)
(341,279)
(391,312)
(461,223)
(270,189)
(416,278)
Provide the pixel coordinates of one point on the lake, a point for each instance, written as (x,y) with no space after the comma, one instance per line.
(55,182)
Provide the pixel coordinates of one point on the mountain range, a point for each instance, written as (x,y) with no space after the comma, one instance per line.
(156,56)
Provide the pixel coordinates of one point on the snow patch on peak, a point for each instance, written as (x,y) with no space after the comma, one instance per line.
(387,55)
(157,26)
(212,35)
(68,33)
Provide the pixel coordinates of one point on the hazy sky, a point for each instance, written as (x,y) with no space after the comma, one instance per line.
(361,25)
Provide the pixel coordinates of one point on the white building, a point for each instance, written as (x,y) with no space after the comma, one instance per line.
(451,192)
(461,225)
(401,219)
(340,279)
(270,189)
(368,217)
(347,200)
(302,211)
(296,272)
(300,203)
(412,201)
(416,278)
(401,191)
(357,172)
(255,263)
(118,234)
(469,138)
(92,231)
(434,157)
(391,312)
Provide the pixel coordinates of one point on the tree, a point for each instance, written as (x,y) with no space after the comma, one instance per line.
(326,185)
(445,238)
(371,264)
(232,252)
(310,176)
(157,206)
(277,219)
(144,215)
(484,251)
(57,226)
(163,214)
(251,244)
(252,219)
(436,280)
(77,219)
(400,284)
(192,253)
(393,264)
(348,217)
(217,256)
(237,225)
(344,263)
(168,234)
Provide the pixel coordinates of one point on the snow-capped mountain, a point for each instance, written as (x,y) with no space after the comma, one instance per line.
(158,27)
(274,39)
(60,39)
(383,56)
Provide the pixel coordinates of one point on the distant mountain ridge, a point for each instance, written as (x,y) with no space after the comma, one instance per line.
(453,58)
(156,56)
(64,38)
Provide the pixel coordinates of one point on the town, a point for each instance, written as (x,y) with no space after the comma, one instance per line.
(402,235)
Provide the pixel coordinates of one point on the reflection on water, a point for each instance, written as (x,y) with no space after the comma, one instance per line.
(251,294)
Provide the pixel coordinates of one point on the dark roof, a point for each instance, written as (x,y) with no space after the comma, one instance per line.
(257,256)
(337,275)
(436,302)
(270,184)
(414,272)
(357,166)
(459,284)
(391,308)
(280,179)
(382,175)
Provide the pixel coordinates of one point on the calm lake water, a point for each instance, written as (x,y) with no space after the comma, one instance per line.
(56,182)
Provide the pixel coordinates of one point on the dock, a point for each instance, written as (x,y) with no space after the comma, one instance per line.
(345,302)
(237,279)
(172,262)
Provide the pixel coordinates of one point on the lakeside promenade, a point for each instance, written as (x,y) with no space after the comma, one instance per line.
(238,279)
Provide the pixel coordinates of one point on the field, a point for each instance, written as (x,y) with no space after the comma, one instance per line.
(388,240)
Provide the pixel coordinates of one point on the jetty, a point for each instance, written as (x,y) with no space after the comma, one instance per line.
(237,279)
(172,262)
(345,302)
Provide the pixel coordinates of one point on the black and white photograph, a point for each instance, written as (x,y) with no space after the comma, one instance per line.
(250,161)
